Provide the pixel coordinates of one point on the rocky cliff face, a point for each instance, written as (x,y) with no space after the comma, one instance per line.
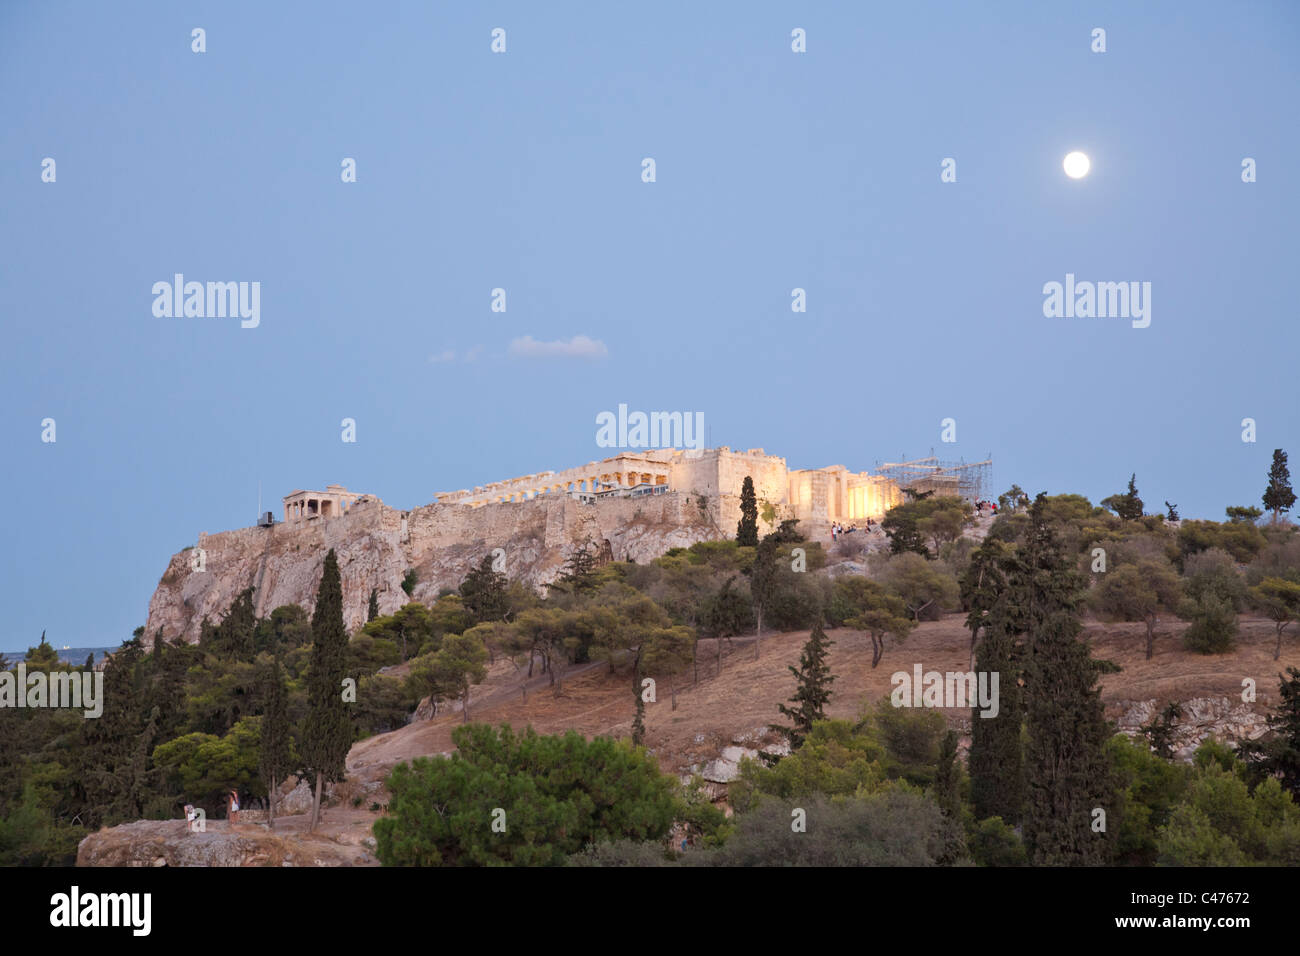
(1204,718)
(376,545)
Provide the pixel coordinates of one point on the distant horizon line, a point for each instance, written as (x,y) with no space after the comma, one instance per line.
(87,647)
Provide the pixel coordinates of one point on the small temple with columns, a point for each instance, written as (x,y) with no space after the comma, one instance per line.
(333,501)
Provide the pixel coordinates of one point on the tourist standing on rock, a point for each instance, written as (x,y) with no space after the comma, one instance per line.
(233,812)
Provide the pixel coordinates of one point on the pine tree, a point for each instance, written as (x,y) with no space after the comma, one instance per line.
(484,590)
(327,733)
(372,611)
(579,572)
(747,529)
(1278,496)
(275,756)
(1160,732)
(1067,771)
(812,691)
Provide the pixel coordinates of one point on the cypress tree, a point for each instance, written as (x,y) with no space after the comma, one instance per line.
(167,686)
(1067,771)
(812,690)
(114,760)
(235,637)
(1128,505)
(327,734)
(762,586)
(1133,502)
(747,529)
(947,778)
(983,585)
(996,758)
(372,611)
(209,637)
(638,722)
(1278,496)
(274,762)
(946,793)
(43,656)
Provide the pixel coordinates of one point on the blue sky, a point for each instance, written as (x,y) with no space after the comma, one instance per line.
(522,171)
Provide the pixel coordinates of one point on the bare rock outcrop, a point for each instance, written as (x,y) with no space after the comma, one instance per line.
(1203,718)
(169,843)
(726,766)
(377,545)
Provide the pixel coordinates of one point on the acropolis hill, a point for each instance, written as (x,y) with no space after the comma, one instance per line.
(632,506)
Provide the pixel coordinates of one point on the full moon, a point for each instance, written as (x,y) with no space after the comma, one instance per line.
(1076,165)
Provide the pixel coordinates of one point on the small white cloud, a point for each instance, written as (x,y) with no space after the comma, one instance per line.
(447,356)
(473,353)
(580,346)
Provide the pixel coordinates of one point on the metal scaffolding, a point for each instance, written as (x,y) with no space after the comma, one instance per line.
(971,480)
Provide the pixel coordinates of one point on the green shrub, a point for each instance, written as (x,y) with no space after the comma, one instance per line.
(524,800)
(994,843)
(409,581)
(898,827)
(1213,628)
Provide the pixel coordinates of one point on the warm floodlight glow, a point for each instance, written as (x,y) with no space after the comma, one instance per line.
(1077,165)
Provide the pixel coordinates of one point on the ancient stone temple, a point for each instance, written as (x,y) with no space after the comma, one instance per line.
(816,496)
(822,494)
(333,501)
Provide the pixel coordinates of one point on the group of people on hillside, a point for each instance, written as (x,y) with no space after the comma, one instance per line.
(193,814)
(990,506)
(838,530)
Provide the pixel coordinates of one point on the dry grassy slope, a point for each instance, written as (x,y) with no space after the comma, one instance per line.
(710,714)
